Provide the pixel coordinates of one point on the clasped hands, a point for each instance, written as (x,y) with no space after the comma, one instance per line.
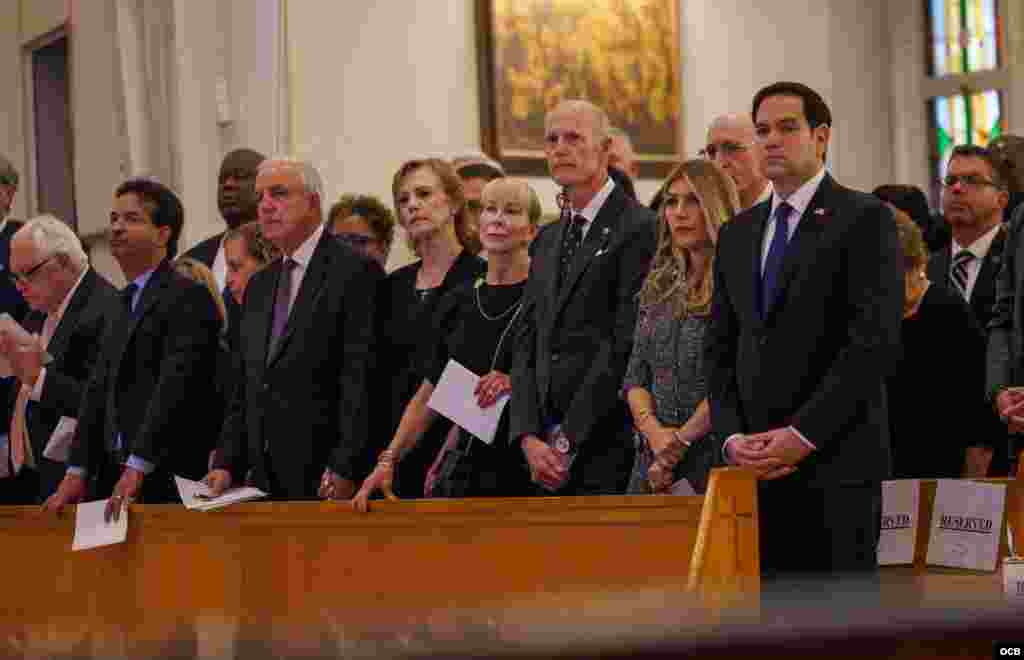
(771,454)
(1010,406)
(668,446)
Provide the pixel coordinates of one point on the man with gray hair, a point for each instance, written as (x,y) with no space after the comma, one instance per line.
(300,414)
(732,147)
(567,414)
(71,308)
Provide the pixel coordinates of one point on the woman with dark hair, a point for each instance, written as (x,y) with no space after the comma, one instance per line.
(931,377)
(429,203)
(912,201)
(665,383)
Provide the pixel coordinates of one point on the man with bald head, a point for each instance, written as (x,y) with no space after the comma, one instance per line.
(236,199)
(567,415)
(731,146)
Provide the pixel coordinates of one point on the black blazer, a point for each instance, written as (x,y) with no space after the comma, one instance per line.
(573,369)
(983,296)
(819,359)
(74,346)
(155,381)
(307,406)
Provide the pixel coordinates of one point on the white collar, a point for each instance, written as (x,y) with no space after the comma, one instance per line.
(59,314)
(765,195)
(591,210)
(801,198)
(980,247)
(304,252)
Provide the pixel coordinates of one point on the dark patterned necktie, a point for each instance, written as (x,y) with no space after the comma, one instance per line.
(959,272)
(571,244)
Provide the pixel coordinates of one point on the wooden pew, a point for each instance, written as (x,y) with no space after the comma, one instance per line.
(281,566)
(924,584)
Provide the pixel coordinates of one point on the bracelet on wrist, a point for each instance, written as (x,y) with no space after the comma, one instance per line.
(387,458)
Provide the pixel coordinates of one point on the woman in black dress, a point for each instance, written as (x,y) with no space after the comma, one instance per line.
(429,201)
(479,325)
(939,423)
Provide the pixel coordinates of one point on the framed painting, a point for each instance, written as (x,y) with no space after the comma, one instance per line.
(622,55)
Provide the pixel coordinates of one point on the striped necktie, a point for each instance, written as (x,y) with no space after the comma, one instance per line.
(958,275)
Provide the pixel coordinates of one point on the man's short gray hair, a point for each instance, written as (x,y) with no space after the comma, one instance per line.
(307,172)
(51,236)
(602,125)
(8,175)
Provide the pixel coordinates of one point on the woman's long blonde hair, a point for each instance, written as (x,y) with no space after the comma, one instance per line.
(669,279)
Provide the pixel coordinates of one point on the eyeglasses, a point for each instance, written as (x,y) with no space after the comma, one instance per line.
(728,149)
(353,239)
(25,277)
(969,181)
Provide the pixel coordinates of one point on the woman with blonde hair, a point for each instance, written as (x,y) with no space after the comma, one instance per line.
(665,384)
(429,203)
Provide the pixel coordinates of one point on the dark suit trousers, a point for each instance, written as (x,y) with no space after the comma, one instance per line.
(817,542)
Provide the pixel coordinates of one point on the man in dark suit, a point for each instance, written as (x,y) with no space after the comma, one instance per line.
(299,417)
(567,412)
(144,415)
(236,200)
(71,308)
(805,323)
(11,300)
(1005,361)
(973,198)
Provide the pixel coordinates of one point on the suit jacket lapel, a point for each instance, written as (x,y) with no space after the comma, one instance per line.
(312,280)
(150,294)
(599,235)
(756,242)
(67,322)
(991,263)
(804,242)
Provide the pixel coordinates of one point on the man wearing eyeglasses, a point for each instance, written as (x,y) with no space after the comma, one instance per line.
(731,146)
(363,223)
(973,197)
(72,306)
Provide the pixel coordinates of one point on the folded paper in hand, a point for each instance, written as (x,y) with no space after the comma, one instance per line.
(92,531)
(453,397)
(195,495)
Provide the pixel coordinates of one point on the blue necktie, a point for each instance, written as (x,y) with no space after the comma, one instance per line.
(776,255)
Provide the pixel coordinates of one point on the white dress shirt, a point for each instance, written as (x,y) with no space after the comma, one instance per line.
(220,267)
(302,256)
(593,207)
(49,328)
(979,249)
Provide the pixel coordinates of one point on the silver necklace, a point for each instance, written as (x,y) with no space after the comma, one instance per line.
(480,306)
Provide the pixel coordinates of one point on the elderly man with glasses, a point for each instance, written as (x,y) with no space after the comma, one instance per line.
(71,308)
(731,146)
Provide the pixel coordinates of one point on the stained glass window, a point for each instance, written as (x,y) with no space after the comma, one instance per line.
(965,36)
(970,118)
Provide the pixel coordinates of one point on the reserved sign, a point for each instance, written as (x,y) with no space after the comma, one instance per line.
(1013,579)
(965,526)
(898,538)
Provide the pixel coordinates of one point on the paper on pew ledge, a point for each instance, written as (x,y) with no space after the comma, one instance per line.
(190,492)
(91,531)
(453,397)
